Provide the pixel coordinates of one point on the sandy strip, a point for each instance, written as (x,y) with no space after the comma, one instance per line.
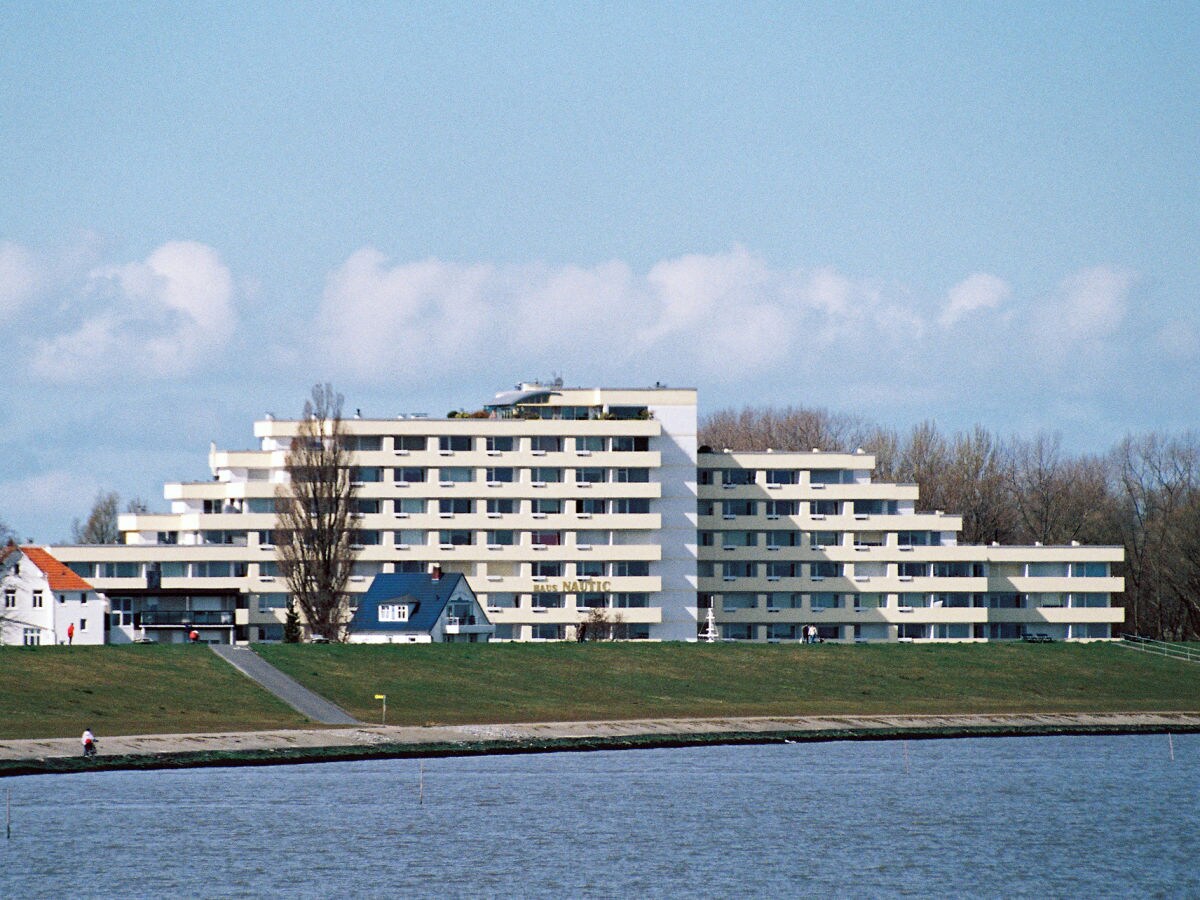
(799,726)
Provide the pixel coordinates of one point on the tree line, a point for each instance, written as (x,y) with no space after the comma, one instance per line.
(1143,494)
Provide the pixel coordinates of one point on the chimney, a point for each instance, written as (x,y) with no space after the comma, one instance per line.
(436,574)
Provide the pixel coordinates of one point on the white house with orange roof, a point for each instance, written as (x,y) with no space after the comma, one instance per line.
(44,602)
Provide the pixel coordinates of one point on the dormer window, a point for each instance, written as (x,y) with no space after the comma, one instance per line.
(393,612)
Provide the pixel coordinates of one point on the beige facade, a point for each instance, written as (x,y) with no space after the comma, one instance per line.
(793,540)
(554,501)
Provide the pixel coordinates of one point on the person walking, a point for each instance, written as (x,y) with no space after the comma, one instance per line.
(89,742)
(71,634)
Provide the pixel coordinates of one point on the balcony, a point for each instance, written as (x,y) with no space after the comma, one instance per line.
(157,618)
(467,625)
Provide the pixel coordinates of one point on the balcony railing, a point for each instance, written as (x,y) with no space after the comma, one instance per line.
(156,618)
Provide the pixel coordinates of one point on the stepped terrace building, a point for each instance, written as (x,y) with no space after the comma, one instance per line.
(555,501)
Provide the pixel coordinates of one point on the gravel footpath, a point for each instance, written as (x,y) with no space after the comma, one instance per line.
(669,730)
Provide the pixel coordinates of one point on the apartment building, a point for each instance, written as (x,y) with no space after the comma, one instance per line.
(555,501)
(792,540)
(552,501)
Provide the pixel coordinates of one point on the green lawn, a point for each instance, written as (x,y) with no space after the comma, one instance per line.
(563,681)
(58,691)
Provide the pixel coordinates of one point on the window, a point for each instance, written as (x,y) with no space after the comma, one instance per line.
(630,568)
(410,506)
(410,475)
(784,600)
(631,505)
(456,474)
(1048,570)
(409,443)
(257,505)
(913,569)
(83,624)
(10,598)
(591,475)
(545,475)
(546,632)
(739,569)
(778,631)
(824,507)
(237,538)
(501,475)
(705,476)
(826,569)
(1089,570)
(783,569)
(823,600)
(369,474)
(548,601)
(869,601)
(547,569)
(783,476)
(502,600)
(546,538)
(454,443)
(456,505)
(953,569)
(630,444)
(393,612)
(737,632)
(365,443)
(738,507)
(37,599)
(591,506)
(591,601)
(818,539)
(777,508)
(737,476)
(500,444)
(591,537)
(589,444)
(631,476)
(365,506)
(589,569)
(119,570)
(734,602)
(706,508)
(546,443)
(875,507)
(501,507)
(222,569)
(916,601)
(369,537)
(831,476)
(31,637)
(916,538)
(739,539)
(783,538)
(502,538)
(456,537)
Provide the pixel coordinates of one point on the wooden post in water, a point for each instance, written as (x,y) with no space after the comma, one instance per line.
(421,782)
(8,817)
(1171,746)
(906,757)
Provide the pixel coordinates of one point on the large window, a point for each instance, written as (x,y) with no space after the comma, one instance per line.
(630,568)
(500,444)
(546,443)
(739,539)
(546,632)
(548,601)
(778,508)
(737,476)
(546,506)
(783,538)
(547,569)
(735,601)
(730,508)
(393,612)
(409,506)
(545,475)
(825,507)
(589,569)
(631,505)
(875,507)
(591,506)
(501,506)
(1089,570)
(825,600)
(784,600)
(454,443)
(501,475)
(826,569)
(409,443)
(456,474)
(631,475)
(456,537)
(590,444)
(783,476)
(456,505)
(546,538)
(501,538)
(831,476)
(630,444)
(777,570)
(409,474)
(366,474)
(591,475)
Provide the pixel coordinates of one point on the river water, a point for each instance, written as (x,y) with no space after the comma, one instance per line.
(998,817)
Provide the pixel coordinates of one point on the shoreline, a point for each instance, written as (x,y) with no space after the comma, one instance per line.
(257,748)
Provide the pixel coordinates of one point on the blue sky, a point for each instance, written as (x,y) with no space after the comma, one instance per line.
(967,212)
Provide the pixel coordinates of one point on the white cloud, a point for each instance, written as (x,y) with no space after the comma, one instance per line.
(163,317)
(380,319)
(977,292)
(1093,302)
(18,277)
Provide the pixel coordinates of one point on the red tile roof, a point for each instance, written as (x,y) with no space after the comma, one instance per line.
(60,577)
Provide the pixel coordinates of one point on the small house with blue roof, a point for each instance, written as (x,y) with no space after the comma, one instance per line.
(419,608)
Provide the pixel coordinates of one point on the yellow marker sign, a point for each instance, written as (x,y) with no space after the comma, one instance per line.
(381,696)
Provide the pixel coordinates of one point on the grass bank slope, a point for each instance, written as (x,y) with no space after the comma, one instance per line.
(144,689)
(476,683)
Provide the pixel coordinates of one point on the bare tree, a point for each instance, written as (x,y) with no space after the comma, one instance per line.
(313,515)
(101,524)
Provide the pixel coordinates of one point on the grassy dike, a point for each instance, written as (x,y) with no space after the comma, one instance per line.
(143,689)
(473,683)
(56,691)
